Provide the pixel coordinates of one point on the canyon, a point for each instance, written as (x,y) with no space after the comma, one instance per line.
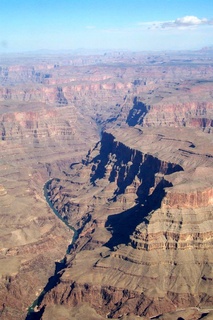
(125,141)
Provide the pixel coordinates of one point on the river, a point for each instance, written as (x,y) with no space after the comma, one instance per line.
(53,280)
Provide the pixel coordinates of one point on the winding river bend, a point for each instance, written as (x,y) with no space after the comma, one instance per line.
(53,280)
(76,233)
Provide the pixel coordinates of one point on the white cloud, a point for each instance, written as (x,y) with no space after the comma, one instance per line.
(187,21)
(190,20)
(180,23)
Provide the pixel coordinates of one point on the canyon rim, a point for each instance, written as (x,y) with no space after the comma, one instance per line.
(123,144)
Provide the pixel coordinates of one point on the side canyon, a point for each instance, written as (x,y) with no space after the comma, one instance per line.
(125,141)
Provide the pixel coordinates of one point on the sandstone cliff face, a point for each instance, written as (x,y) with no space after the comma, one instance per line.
(169,114)
(107,91)
(141,199)
(125,176)
(146,216)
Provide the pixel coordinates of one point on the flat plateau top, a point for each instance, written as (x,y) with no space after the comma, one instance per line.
(187,147)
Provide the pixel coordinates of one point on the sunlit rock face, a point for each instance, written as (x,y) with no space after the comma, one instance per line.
(141,197)
(145,209)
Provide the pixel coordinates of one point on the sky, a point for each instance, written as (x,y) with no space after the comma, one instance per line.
(135,25)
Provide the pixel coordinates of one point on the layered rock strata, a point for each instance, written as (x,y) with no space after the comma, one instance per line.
(52,109)
(144,203)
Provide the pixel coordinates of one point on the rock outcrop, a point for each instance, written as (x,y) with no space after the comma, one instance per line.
(141,199)
(145,209)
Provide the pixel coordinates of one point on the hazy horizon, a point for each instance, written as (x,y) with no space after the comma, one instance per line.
(137,25)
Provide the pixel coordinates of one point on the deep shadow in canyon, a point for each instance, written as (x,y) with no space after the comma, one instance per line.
(123,224)
(137,113)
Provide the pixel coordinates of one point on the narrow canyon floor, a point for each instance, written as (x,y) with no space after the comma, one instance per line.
(125,140)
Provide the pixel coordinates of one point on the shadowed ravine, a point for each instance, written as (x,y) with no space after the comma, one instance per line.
(59,266)
(123,225)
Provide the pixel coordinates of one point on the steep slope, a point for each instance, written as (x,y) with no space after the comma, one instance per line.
(144,203)
(191,107)
(52,110)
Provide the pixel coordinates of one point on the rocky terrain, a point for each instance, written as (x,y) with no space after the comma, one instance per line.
(141,198)
(147,240)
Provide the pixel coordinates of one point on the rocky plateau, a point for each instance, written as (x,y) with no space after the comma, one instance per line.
(125,141)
